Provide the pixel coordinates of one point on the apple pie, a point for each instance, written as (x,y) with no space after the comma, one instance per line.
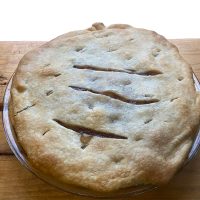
(105,108)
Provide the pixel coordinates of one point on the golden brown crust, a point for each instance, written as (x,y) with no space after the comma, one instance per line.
(72,95)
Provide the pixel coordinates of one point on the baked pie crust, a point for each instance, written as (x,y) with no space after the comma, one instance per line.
(105,108)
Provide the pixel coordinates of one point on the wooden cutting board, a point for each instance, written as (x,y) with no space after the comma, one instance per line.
(18,183)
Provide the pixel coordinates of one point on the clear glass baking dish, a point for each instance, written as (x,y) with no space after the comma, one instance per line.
(21,156)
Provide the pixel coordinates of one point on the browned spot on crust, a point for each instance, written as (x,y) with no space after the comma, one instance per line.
(3,80)
(49,72)
(21,88)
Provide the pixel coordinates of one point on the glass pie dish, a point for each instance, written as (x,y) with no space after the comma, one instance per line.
(22,157)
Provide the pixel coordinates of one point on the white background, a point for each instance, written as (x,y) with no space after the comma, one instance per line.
(46,19)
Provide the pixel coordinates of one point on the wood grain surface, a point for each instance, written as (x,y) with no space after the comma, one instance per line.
(18,183)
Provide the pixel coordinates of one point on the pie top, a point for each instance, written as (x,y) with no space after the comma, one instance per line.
(105,108)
